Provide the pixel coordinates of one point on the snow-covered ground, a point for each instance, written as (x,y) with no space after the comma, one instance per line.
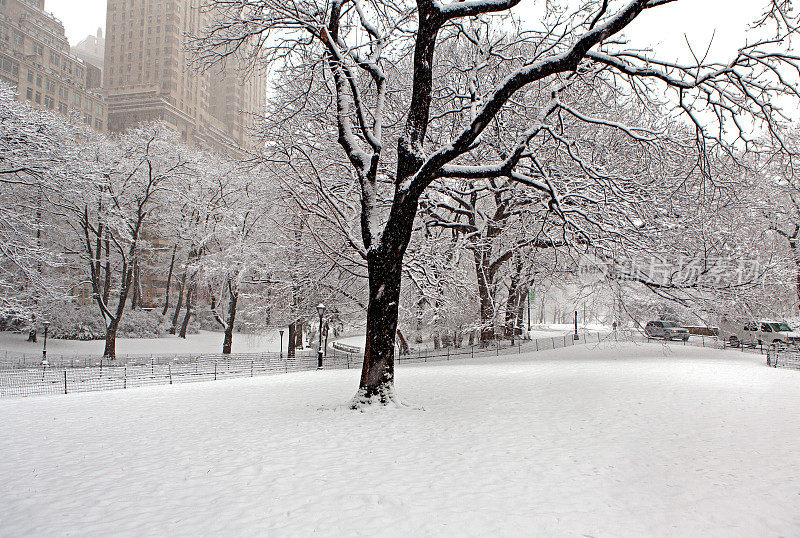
(616,440)
(539,330)
(204,342)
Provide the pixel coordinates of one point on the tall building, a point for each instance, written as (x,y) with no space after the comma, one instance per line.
(92,49)
(35,57)
(148,77)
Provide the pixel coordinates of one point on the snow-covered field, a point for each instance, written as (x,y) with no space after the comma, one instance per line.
(620,440)
(540,331)
(204,342)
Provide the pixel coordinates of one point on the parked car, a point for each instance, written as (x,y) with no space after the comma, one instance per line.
(668,330)
(762,332)
(702,330)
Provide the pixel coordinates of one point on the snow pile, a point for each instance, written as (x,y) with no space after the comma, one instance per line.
(618,440)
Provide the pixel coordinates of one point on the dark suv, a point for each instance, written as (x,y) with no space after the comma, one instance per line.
(668,330)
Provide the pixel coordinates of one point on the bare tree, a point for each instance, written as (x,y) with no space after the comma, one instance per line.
(361,45)
(38,153)
(111,207)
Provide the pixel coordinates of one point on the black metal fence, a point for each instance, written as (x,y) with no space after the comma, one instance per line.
(783,356)
(67,375)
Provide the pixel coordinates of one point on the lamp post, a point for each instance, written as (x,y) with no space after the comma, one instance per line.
(321,312)
(281,331)
(44,345)
(576,337)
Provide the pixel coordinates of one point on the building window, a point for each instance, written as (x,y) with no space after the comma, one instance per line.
(87,119)
(29,93)
(98,124)
(30,76)
(62,107)
(38,49)
(39,81)
(51,85)
(48,102)
(9,66)
(38,98)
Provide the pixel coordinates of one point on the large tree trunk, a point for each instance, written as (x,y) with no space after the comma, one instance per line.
(486,309)
(233,297)
(298,334)
(377,373)
(111,339)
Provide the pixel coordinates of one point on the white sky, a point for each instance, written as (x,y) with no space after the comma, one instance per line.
(662,28)
(80,17)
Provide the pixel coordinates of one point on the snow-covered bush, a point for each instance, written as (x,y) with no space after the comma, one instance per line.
(72,322)
(141,324)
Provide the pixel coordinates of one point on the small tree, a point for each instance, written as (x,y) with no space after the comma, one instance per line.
(119,195)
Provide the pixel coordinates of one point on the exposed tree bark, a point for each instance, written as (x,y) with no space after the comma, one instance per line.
(219,318)
(179,305)
(169,281)
(136,284)
(233,298)
(292,340)
(190,296)
(402,341)
(298,334)
(485,278)
(377,373)
(522,296)
(107,269)
(516,290)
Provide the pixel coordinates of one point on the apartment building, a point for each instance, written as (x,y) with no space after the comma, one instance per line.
(35,57)
(148,76)
(92,49)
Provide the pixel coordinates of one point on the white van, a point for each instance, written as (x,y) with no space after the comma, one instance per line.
(762,332)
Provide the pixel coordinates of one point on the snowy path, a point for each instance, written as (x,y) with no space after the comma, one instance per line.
(625,440)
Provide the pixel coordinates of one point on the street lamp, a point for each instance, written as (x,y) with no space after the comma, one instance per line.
(576,337)
(321,312)
(281,331)
(44,345)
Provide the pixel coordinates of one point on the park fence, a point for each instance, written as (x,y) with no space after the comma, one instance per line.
(68,375)
(784,356)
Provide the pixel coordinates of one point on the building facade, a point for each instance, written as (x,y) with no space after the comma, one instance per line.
(35,58)
(92,50)
(148,76)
